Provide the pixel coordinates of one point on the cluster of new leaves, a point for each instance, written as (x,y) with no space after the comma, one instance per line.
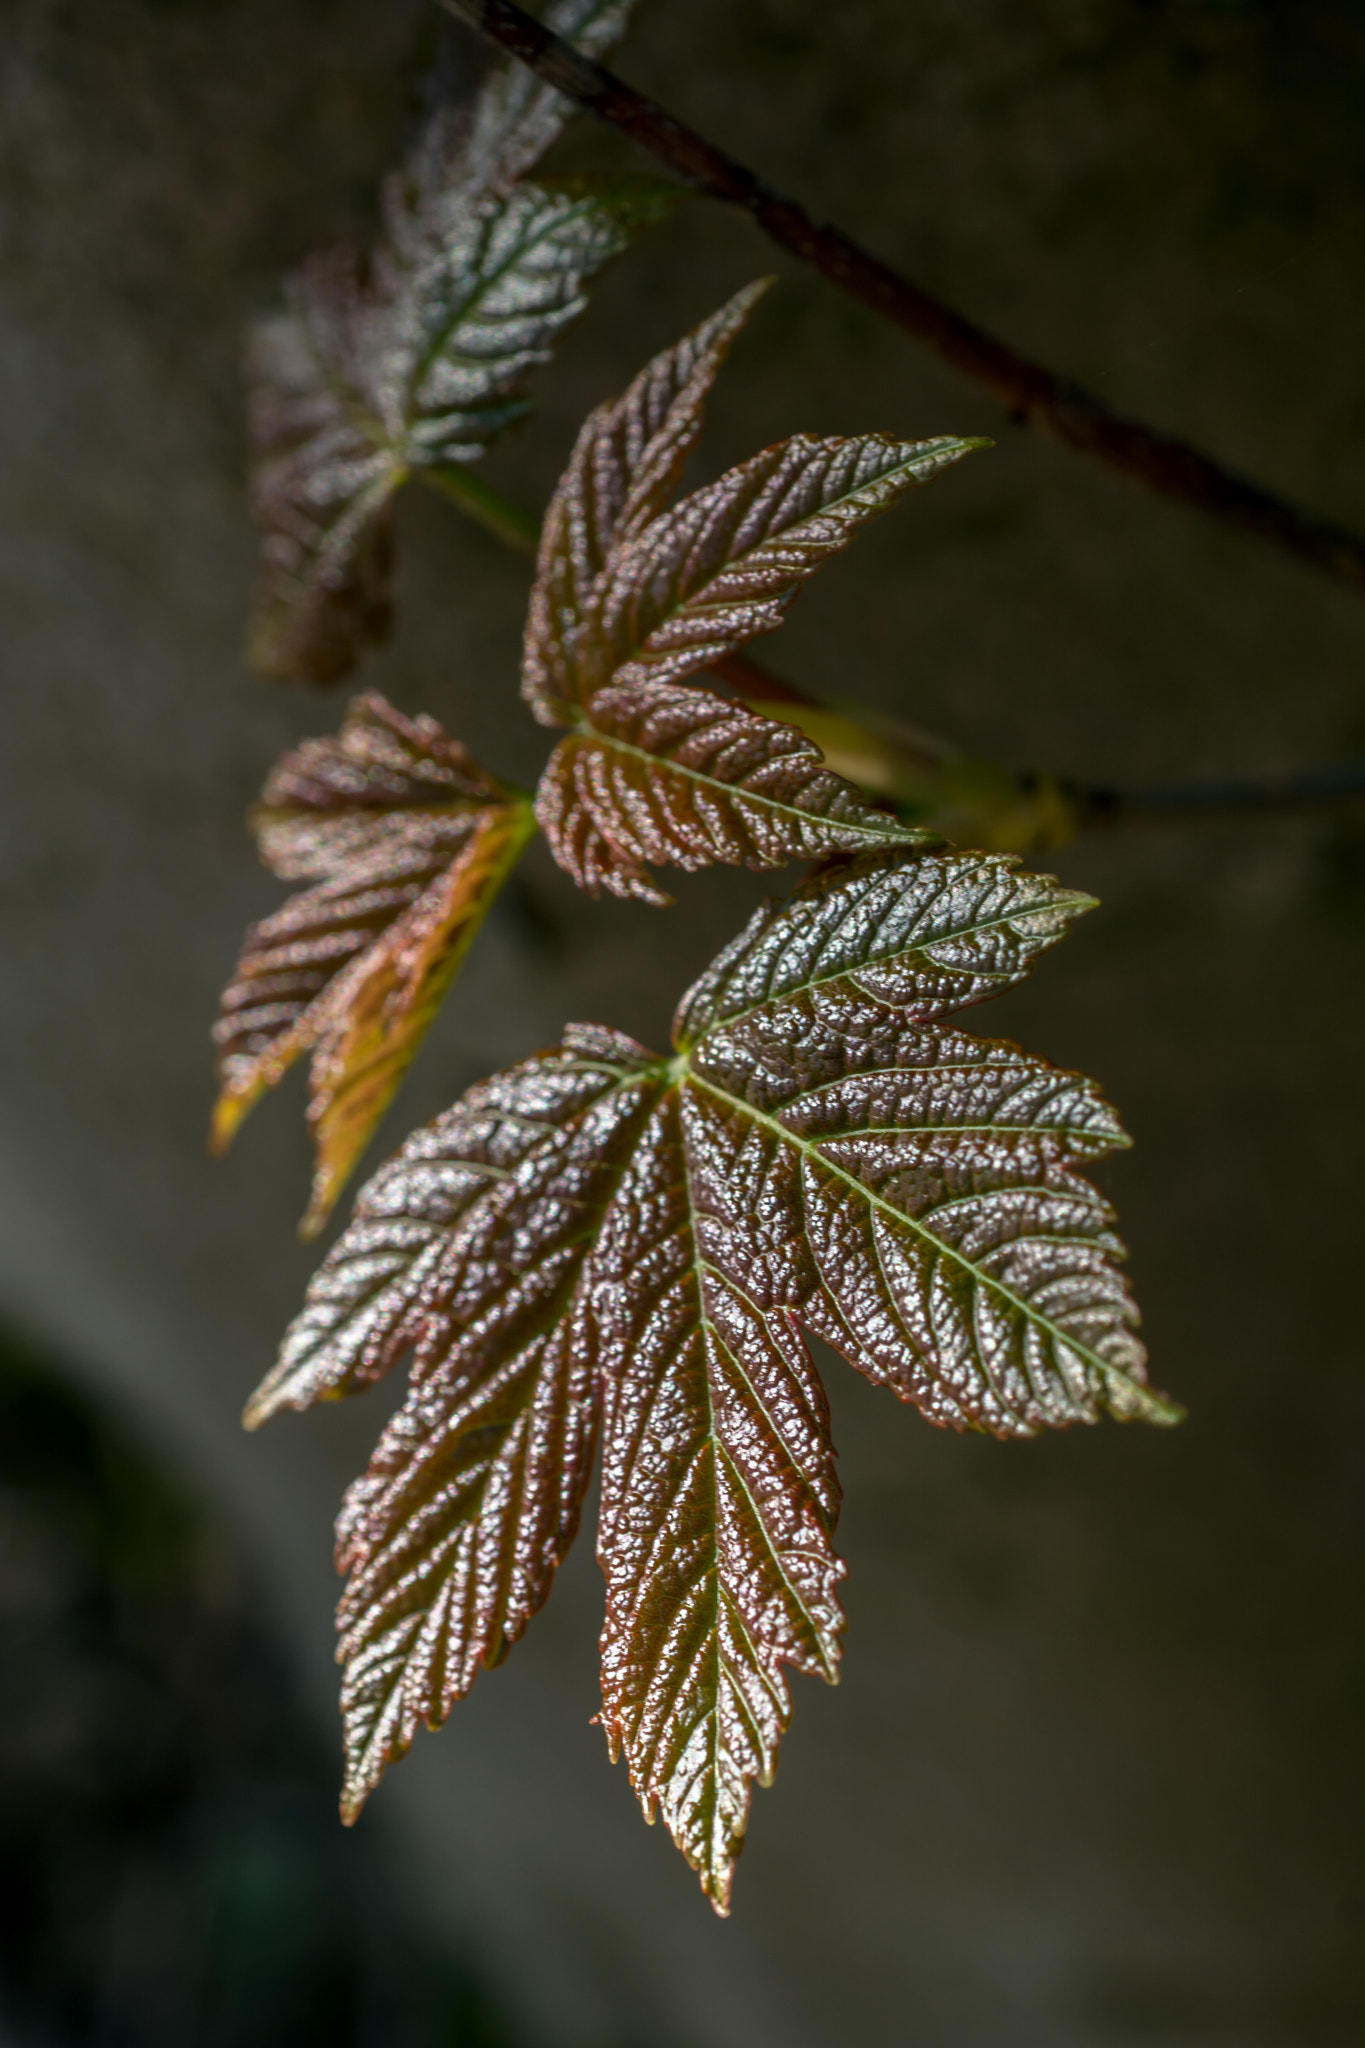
(608,1247)
(408,840)
(418,357)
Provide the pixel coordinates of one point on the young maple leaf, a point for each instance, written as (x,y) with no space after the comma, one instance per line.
(605,1241)
(633,594)
(407,841)
(418,357)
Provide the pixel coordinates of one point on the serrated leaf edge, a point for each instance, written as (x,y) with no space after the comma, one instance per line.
(1141,1402)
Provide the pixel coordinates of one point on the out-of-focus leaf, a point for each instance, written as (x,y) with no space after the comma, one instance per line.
(417,357)
(481,141)
(407,842)
(604,1233)
(973,801)
(632,596)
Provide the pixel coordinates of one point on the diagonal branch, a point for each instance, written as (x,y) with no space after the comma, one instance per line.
(1031,392)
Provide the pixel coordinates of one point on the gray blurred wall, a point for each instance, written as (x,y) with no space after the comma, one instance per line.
(1093,1776)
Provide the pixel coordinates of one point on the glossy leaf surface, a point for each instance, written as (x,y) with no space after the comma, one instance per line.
(418,357)
(633,595)
(664,772)
(473,1494)
(911,1193)
(719,1501)
(604,1239)
(407,843)
(626,465)
(720,568)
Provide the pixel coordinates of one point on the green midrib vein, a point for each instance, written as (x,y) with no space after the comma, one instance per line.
(1154,1408)
(869,833)
(1066,903)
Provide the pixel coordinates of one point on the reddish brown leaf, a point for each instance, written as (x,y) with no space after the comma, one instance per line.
(412,842)
(719,1501)
(631,597)
(822,1152)
(321,486)
(660,772)
(703,579)
(626,464)
(394,1266)
(452,1537)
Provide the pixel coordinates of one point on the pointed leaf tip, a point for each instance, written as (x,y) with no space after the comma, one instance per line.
(604,1243)
(626,466)
(634,595)
(451,1539)
(406,843)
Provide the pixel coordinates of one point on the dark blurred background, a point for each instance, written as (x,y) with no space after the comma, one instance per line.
(171,1869)
(1093,1776)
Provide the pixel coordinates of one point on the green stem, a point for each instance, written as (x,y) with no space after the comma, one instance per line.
(504,519)
(976,803)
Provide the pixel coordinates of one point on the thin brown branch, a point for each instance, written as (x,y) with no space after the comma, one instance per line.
(1030,392)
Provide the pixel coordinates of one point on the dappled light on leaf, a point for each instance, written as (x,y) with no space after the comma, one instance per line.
(719,1501)
(472,1497)
(720,568)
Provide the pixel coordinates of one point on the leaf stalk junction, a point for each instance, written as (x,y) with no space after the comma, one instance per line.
(928,780)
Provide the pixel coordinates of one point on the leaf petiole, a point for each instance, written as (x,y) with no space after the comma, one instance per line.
(973,801)
(503,518)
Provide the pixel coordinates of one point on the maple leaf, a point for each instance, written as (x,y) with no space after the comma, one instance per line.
(634,594)
(418,357)
(407,842)
(602,1240)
